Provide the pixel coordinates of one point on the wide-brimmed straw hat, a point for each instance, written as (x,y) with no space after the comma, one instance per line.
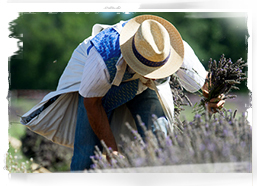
(151,46)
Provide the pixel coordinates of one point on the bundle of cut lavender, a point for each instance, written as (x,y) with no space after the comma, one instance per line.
(223,76)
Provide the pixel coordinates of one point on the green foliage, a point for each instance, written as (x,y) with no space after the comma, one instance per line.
(48,37)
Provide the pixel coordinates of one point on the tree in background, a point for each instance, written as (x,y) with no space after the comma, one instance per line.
(48,40)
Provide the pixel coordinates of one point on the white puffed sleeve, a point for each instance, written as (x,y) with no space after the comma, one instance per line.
(95,77)
(192,74)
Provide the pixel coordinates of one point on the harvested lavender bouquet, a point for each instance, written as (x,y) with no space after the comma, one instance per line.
(223,76)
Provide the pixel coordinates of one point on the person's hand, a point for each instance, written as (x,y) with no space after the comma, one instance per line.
(148,82)
(114,154)
(214,104)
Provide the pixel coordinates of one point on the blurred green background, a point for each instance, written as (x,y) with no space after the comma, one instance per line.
(47,40)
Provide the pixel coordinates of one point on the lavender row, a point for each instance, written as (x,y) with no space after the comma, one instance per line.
(220,138)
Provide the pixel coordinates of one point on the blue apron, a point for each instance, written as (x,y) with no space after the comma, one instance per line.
(107,44)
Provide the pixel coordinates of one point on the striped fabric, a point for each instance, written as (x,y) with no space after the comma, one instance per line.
(95,80)
(192,75)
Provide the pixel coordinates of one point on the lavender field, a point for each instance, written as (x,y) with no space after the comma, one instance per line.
(216,144)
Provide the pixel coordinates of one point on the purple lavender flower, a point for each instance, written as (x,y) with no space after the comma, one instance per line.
(202,147)
(225,131)
(197,115)
(211,147)
(168,141)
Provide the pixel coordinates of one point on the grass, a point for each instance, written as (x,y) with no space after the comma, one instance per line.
(16,162)
(17,107)
(17,130)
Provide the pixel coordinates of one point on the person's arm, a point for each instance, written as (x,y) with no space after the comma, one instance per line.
(95,83)
(192,72)
(99,121)
(192,76)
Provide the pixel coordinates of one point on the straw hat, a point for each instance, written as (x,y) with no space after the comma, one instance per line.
(152,46)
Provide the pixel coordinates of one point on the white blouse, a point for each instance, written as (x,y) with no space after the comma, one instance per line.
(95,81)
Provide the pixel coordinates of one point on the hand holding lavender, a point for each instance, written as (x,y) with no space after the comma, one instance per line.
(223,76)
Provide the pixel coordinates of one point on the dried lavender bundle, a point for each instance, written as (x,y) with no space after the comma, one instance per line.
(223,76)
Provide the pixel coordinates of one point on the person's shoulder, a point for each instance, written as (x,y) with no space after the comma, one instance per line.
(118,26)
(97,28)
